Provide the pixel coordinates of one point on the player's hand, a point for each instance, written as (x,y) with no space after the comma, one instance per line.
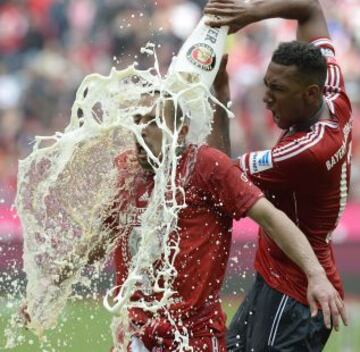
(221,83)
(234,13)
(321,292)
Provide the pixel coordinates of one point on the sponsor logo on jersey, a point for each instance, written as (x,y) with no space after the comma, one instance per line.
(131,217)
(202,55)
(327,52)
(260,161)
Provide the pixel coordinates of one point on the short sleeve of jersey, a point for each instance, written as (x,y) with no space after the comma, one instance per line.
(334,89)
(285,166)
(229,188)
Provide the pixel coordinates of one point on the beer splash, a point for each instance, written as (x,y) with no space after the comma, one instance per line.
(66,189)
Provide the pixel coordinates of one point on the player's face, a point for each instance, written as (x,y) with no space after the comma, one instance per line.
(151,133)
(284,95)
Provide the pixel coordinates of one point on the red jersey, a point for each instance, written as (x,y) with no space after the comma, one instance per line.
(306,175)
(216,191)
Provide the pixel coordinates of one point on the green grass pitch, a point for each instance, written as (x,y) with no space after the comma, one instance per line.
(85,327)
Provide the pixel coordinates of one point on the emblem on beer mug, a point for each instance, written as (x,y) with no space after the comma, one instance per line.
(202,55)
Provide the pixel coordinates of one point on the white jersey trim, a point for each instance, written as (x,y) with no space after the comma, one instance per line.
(215,344)
(315,138)
(296,143)
(303,140)
(332,87)
(343,191)
(242,163)
(301,144)
(322,41)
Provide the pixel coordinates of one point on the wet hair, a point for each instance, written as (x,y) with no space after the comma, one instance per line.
(308,59)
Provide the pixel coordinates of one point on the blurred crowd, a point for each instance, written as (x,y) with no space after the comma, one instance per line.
(48,46)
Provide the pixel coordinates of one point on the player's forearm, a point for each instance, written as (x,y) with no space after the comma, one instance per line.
(300,10)
(308,13)
(292,242)
(220,133)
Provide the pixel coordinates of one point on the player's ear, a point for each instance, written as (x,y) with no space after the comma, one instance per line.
(312,94)
(183,131)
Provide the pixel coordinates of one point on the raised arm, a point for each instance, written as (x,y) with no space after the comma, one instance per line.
(240,13)
(296,246)
(220,136)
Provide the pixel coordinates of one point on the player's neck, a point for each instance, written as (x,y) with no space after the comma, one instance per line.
(314,117)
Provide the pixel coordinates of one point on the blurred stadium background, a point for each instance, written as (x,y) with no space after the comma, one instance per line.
(46,49)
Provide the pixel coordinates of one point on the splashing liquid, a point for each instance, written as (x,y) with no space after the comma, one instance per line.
(66,194)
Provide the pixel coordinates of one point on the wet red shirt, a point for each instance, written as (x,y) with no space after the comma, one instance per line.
(306,175)
(216,191)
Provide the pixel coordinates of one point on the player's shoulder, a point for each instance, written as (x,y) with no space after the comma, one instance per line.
(334,88)
(127,166)
(211,161)
(327,48)
(206,153)
(325,44)
(316,144)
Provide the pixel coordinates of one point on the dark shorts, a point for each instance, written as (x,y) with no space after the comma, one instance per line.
(268,320)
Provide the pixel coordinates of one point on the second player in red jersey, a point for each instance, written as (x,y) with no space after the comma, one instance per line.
(306,174)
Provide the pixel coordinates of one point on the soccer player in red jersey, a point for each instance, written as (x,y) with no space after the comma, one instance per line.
(306,175)
(216,191)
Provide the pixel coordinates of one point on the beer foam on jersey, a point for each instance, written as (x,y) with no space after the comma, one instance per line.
(66,189)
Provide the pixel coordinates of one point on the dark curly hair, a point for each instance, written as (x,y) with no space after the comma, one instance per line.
(308,59)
